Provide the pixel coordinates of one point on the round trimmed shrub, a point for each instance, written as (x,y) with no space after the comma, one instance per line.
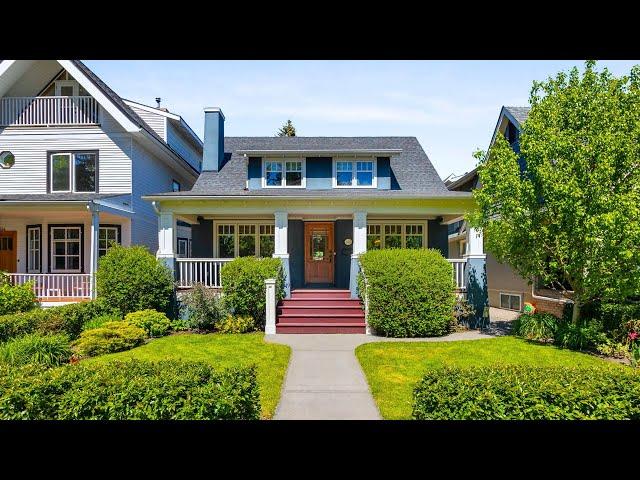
(111,337)
(411,293)
(132,279)
(46,350)
(156,324)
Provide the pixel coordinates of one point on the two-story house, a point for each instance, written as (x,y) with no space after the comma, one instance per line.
(75,159)
(316,203)
(506,289)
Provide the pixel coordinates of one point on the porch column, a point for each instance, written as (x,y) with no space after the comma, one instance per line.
(281,250)
(93,255)
(475,277)
(359,246)
(166,239)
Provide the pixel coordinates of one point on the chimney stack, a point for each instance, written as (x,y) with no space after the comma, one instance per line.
(213,152)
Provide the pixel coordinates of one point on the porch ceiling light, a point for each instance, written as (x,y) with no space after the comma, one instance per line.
(7,159)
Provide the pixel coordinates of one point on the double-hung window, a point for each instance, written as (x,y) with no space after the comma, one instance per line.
(34,249)
(107,237)
(66,248)
(73,172)
(355,173)
(284,173)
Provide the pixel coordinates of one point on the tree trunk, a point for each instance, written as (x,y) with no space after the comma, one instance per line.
(575,315)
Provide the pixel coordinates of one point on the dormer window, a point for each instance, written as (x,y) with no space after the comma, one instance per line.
(284,173)
(354,173)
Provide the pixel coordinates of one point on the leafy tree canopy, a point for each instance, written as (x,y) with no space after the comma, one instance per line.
(574,213)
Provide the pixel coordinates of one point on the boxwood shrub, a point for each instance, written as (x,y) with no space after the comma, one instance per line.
(131,279)
(411,293)
(243,285)
(130,390)
(109,338)
(16,298)
(154,323)
(528,393)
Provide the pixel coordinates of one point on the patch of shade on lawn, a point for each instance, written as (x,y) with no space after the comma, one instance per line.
(394,368)
(221,351)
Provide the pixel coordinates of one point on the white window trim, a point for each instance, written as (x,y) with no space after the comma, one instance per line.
(39,250)
(354,179)
(507,294)
(284,161)
(52,240)
(72,171)
(403,233)
(67,83)
(236,235)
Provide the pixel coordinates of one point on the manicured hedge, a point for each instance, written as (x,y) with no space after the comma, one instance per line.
(67,319)
(131,390)
(131,279)
(111,337)
(410,292)
(243,285)
(528,393)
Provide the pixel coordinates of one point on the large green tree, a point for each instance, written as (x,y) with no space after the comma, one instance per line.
(573,215)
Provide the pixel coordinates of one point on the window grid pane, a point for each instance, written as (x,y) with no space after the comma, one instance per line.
(273,174)
(344,174)
(66,248)
(293,175)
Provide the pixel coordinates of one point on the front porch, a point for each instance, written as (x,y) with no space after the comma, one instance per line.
(56,245)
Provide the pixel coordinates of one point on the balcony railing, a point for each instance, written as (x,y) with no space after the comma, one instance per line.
(458,272)
(56,285)
(206,271)
(48,111)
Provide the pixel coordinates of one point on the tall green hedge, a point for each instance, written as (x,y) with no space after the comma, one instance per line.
(131,390)
(510,392)
(243,285)
(411,293)
(132,279)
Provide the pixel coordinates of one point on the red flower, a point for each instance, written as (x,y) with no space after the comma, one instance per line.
(633,335)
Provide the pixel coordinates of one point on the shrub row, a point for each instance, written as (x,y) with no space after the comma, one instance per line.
(132,390)
(528,393)
(68,319)
(410,292)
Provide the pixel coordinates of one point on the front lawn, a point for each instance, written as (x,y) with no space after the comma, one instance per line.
(394,368)
(222,351)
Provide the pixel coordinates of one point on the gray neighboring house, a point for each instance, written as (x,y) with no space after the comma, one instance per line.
(506,289)
(75,159)
(316,203)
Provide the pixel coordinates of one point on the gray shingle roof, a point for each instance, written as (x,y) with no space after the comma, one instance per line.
(413,175)
(519,113)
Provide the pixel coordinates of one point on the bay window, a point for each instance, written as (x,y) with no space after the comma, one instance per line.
(73,171)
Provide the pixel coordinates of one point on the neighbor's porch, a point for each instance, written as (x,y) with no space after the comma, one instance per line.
(56,246)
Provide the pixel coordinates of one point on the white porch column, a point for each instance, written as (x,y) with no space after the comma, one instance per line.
(281,250)
(167,238)
(93,255)
(475,277)
(270,292)
(359,246)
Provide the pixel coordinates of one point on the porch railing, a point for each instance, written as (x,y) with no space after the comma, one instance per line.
(56,285)
(48,111)
(206,271)
(458,271)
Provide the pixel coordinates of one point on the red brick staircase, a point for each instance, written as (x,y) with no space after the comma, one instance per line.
(320,311)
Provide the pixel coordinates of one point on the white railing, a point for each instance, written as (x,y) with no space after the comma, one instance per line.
(458,271)
(206,271)
(48,111)
(56,285)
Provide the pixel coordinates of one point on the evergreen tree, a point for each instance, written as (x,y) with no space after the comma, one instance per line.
(287,130)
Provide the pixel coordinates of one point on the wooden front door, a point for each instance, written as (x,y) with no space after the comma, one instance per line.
(8,251)
(319,252)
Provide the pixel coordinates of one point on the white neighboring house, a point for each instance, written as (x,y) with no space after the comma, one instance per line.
(75,159)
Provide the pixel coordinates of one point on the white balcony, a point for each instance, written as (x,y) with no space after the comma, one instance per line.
(48,111)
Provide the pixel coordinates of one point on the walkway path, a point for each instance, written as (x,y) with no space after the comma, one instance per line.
(325,381)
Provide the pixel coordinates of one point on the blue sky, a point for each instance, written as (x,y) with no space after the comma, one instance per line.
(450,106)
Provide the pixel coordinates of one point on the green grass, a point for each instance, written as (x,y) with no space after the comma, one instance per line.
(220,350)
(394,368)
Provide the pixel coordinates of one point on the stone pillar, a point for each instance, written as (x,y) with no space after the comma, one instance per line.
(359,246)
(475,277)
(93,254)
(281,249)
(270,292)
(167,239)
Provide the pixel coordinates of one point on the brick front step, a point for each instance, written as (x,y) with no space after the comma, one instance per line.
(355,327)
(320,302)
(320,310)
(321,318)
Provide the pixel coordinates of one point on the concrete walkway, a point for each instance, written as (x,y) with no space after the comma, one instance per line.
(324,380)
